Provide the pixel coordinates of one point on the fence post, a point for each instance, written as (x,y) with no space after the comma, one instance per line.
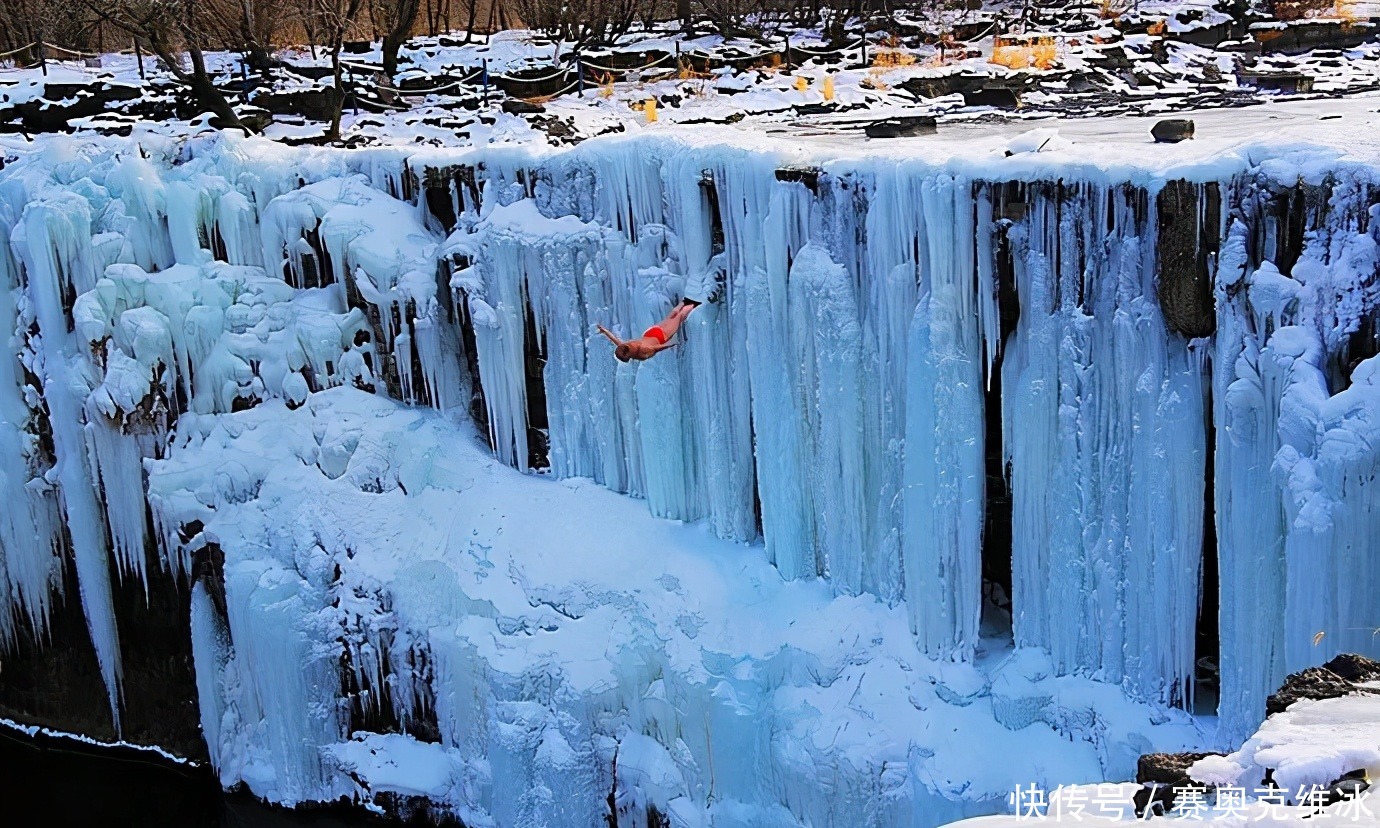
(42,58)
(485,98)
(139,57)
(788,51)
(580,73)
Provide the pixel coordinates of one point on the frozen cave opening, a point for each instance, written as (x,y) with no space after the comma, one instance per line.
(996,618)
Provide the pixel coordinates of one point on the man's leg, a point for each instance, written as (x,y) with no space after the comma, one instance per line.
(671,323)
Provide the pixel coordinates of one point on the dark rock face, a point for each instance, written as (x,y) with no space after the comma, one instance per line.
(902,127)
(1288,82)
(1184,281)
(1000,97)
(1163,776)
(1167,768)
(64,101)
(314,104)
(809,176)
(1172,130)
(1314,683)
(1302,36)
(1349,787)
(1353,667)
(439,203)
(520,107)
(54,680)
(255,118)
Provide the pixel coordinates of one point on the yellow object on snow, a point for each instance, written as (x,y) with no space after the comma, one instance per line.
(1037,53)
(828,87)
(650,109)
(801,83)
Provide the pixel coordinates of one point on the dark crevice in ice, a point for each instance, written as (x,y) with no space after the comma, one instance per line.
(996,529)
(534,360)
(1207,643)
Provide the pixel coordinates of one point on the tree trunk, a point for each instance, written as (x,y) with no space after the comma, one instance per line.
(473,7)
(203,90)
(337,95)
(404,16)
(256,54)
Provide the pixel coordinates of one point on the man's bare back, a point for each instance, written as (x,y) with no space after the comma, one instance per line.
(655,339)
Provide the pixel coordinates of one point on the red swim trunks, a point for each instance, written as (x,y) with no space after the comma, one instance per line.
(656,333)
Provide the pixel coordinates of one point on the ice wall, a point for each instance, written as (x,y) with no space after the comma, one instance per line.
(1104,415)
(1293,407)
(1178,369)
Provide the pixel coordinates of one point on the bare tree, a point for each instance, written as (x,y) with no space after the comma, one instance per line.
(396,19)
(332,20)
(589,23)
(731,18)
(166,27)
(259,23)
(471,16)
(23,22)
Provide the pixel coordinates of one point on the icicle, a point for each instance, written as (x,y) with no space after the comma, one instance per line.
(119,462)
(29,529)
(211,651)
(55,247)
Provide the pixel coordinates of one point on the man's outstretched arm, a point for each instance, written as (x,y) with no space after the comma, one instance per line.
(605,331)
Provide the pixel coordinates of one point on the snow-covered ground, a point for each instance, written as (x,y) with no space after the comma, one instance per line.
(1098,59)
(748,591)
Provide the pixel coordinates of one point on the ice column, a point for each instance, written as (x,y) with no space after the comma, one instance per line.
(944,473)
(1249,512)
(778,410)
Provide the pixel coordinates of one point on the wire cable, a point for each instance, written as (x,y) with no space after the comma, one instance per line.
(70,51)
(17,51)
(838,51)
(559,73)
(602,68)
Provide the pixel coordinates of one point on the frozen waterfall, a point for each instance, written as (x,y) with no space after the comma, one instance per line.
(253,367)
